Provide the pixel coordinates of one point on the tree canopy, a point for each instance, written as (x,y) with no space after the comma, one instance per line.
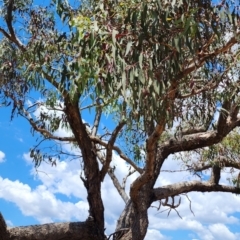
(166,72)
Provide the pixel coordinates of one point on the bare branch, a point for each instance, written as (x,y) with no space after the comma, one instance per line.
(191,186)
(117,233)
(43,131)
(97,119)
(170,205)
(119,151)
(110,148)
(125,179)
(115,181)
(47,134)
(190,203)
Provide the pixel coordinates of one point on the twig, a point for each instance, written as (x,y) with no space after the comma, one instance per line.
(190,203)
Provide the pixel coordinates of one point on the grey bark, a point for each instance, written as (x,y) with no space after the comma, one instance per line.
(52,231)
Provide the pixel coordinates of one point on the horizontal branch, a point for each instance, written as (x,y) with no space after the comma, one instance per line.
(221,161)
(199,140)
(192,186)
(189,131)
(55,231)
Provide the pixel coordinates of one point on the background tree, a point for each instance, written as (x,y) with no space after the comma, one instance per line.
(167,72)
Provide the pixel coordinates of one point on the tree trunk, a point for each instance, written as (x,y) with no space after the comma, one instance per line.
(133,222)
(92,180)
(53,231)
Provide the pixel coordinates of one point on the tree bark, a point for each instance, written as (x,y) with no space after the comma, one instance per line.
(53,231)
(92,180)
(133,222)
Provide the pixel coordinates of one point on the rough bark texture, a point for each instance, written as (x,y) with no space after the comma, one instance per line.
(53,231)
(92,180)
(133,222)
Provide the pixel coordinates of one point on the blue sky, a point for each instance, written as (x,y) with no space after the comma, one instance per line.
(56,194)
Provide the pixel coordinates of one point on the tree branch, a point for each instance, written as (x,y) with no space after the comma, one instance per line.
(192,186)
(199,140)
(115,181)
(151,146)
(224,113)
(216,174)
(55,84)
(222,161)
(97,119)
(110,148)
(12,36)
(54,231)
(202,58)
(43,131)
(119,151)
(193,130)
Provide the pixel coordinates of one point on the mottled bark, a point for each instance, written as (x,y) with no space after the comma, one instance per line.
(55,231)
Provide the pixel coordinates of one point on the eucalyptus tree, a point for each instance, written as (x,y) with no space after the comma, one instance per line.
(166,72)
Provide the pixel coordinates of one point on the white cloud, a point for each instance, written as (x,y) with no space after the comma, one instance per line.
(63,178)
(41,203)
(221,232)
(153,234)
(2,156)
